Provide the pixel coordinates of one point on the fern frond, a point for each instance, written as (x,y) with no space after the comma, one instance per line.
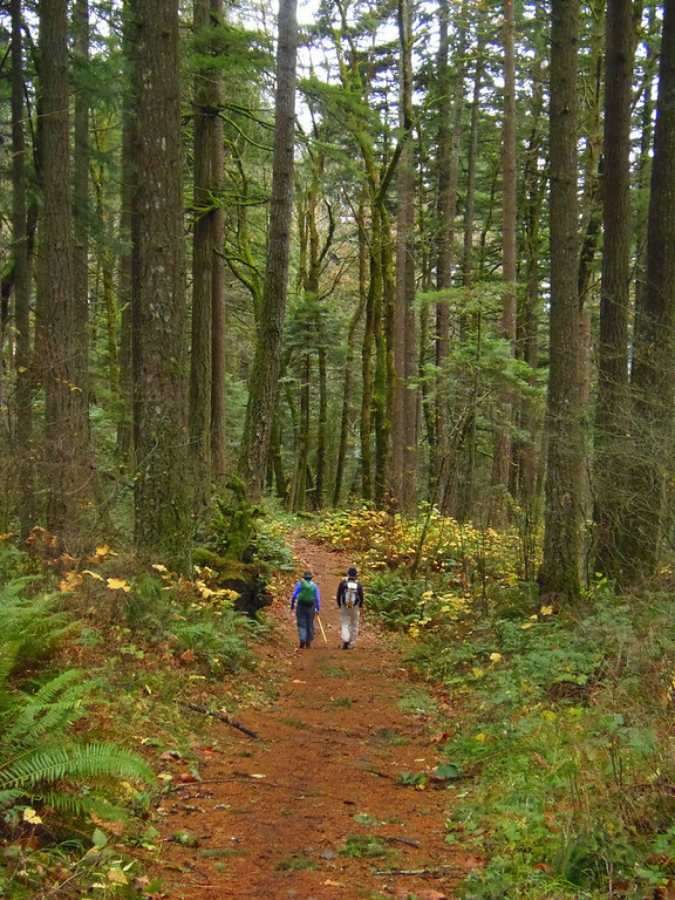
(53,708)
(43,767)
(9,798)
(32,625)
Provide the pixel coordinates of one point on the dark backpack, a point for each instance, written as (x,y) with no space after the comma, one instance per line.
(351,592)
(306,594)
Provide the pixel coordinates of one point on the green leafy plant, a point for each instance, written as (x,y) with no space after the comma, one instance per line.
(41,760)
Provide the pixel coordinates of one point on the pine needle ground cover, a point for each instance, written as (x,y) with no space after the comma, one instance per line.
(560,757)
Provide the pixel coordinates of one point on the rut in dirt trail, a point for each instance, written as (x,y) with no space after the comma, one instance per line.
(313,809)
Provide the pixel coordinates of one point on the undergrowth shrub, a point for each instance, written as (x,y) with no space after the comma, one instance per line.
(44,762)
(219,642)
(565,733)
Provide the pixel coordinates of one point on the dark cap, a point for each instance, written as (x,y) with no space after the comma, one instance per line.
(351,572)
(308,576)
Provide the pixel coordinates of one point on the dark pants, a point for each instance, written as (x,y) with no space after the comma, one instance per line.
(305,617)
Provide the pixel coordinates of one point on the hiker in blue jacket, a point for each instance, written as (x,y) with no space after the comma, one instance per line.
(350,602)
(305,601)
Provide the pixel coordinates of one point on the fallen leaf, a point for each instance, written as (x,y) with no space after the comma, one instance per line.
(118,584)
(93,575)
(333,883)
(298,681)
(117,876)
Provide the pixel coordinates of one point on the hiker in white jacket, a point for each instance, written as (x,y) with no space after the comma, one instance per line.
(349,601)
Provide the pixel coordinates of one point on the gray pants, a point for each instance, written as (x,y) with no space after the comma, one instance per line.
(349,624)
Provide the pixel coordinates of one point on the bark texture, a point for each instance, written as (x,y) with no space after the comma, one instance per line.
(158,286)
(264,381)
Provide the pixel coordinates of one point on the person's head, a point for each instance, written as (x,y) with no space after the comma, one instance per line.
(351,572)
(307,576)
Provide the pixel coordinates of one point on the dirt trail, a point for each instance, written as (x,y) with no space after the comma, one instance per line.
(313,811)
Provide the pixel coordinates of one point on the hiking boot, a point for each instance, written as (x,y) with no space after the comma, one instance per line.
(302,645)
(345,645)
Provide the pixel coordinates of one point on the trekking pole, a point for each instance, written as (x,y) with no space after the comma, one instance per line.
(321,627)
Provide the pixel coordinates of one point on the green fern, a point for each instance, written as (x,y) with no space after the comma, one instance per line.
(52,709)
(53,764)
(30,629)
(39,759)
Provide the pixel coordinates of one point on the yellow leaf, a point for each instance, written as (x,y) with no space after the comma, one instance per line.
(29,815)
(158,567)
(526,625)
(93,575)
(118,584)
(477,673)
(117,876)
(495,657)
(481,738)
(546,610)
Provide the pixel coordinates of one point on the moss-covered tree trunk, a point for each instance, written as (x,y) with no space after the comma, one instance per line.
(207,284)
(264,380)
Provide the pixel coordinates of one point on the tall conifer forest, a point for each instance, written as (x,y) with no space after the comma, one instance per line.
(381,254)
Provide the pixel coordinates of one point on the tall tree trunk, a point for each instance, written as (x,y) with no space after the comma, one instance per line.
(125,430)
(449,137)
(207,284)
(264,383)
(322,432)
(22,281)
(534,191)
(299,488)
(349,360)
(374,288)
(65,403)
(560,569)
(501,459)
(654,368)
(404,468)
(81,156)
(158,286)
(643,168)
(464,507)
(383,393)
(612,421)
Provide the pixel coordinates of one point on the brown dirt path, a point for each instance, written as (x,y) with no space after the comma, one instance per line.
(273,817)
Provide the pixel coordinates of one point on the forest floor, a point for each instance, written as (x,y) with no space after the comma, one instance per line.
(313,808)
